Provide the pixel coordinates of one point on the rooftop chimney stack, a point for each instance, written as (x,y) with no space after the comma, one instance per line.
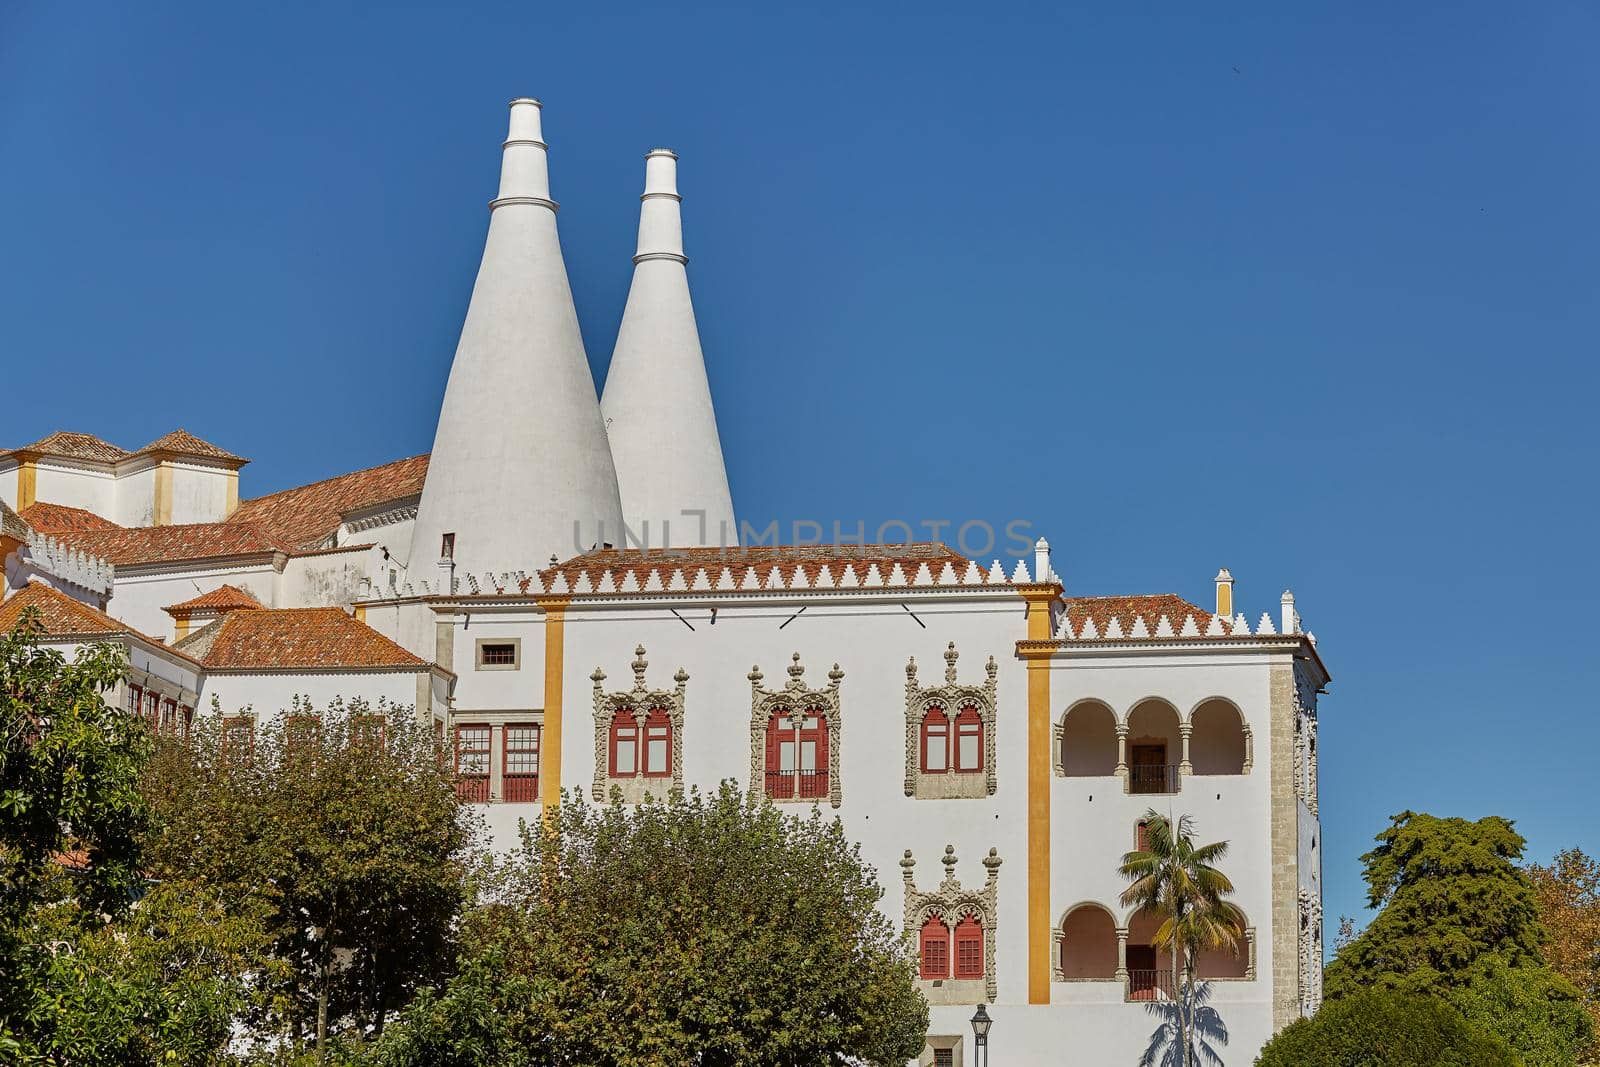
(1224,582)
(520,467)
(657,404)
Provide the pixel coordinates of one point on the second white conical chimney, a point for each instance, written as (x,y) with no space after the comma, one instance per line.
(657,402)
(520,467)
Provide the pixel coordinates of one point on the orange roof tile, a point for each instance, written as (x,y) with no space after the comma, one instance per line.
(159,544)
(1150,608)
(65,617)
(223,598)
(307,516)
(70,445)
(296,638)
(183,443)
(12,525)
(787,558)
(59,518)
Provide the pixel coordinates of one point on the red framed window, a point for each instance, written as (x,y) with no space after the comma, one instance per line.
(934,947)
(1141,836)
(797,757)
(152,706)
(969,948)
(368,732)
(238,736)
(185,720)
(520,763)
(657,744)
(935,742)
(135,699)
(969,741)
(472,762)
(299,733)
(169,716)
(624,744)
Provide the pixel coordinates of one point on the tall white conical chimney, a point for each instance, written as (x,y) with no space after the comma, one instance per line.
(657,402)
(520,467)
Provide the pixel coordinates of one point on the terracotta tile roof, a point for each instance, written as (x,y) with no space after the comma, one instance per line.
(307,516)
(158,544)
(223,598)
(304,638)
(74,446)
(787,558)
(183,443)
(1150,608)
(59,518)
(66,617)
(12,525)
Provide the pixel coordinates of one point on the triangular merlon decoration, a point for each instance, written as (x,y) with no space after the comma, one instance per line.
(1164,627)
(1190,629)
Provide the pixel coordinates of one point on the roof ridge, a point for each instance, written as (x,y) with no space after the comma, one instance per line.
(333,478)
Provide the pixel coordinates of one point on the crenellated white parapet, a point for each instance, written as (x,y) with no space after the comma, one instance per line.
(58,559)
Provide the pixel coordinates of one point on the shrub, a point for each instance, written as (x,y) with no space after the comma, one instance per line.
(1380,1028)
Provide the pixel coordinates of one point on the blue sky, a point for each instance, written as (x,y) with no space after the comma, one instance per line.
(1310,295)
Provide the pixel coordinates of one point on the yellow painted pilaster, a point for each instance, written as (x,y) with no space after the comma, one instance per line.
(233,494)
(361,613)
(555,627)
(27,484)
(183,628)
(1039,598)
(163,509)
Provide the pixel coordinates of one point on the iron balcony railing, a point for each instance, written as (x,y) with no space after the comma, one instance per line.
(1153,778)
(806,784)
(1151,985)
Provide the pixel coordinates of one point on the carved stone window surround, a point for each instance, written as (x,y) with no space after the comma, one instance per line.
(951,698)
(637,702)
(951,903)
(795,700)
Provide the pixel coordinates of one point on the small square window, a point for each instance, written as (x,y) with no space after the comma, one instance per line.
(499,653)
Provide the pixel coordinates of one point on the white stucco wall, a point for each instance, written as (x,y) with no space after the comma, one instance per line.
(270,694)
(141,596)
(199,494)
(61,482)
(135,501)
(325,579)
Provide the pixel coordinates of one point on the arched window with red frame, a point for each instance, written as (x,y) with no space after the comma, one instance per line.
(657,761)
(797,757)
(624,744)
(969,741)
(934,948)
(813,751)
(935,741)
(969,948)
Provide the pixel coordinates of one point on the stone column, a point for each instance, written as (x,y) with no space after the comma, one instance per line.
(1185,730)
(1122,954)
(1122,754)
(497,741)
(1249,750)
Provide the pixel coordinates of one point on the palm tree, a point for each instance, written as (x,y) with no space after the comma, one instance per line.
(1177,880)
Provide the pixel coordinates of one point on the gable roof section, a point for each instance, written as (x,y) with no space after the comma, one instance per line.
(69,445)
(65,617)
(1150,608)
(181,442)
(60,518)
(13,525)
(222,598)
(124,547)
(296,638)
(307,516)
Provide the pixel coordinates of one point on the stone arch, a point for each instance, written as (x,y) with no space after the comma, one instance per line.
(1087,740)
(1219,741)
(1086,944)
(1155,746)
(1222,963)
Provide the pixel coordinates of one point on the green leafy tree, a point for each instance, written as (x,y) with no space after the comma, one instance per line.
(1538,1013)
(1450,893)
(1385,1028)
(342,826)
(710,930)
(94,970)
(1568,892)
(1178,881)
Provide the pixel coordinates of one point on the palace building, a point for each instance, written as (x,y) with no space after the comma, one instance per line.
(989,732)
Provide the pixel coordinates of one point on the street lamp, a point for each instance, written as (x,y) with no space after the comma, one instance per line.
(980,1035)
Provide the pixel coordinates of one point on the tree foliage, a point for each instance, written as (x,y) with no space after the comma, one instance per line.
(1568,892)
(1536,1011)
(1385,1028)
(342,827)
(1450,893)
(94,970)
(1179,881)
(711,930)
